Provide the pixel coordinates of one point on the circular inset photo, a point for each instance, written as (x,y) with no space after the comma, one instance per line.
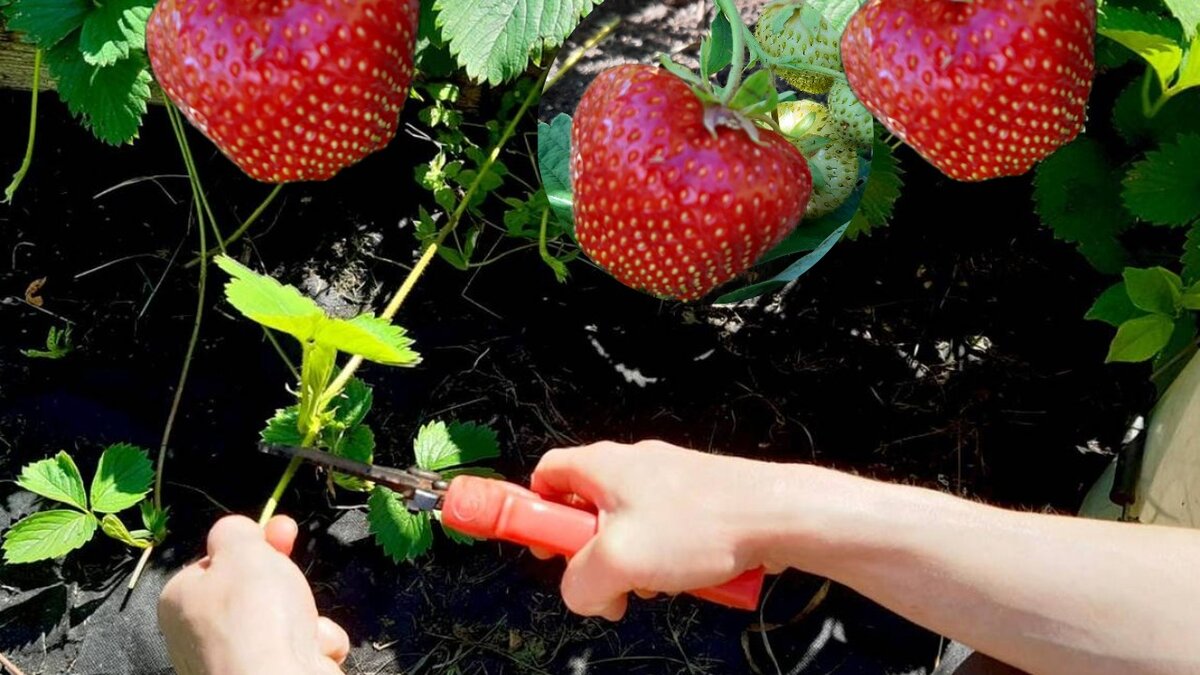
(706,150)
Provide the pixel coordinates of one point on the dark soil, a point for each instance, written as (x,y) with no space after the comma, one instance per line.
(844,371)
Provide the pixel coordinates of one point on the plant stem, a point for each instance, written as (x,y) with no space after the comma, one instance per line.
(1146,81)
(572,60)
(177,127)
(33,109)
(141,565)
(738,60)
(237,234)
(407,285)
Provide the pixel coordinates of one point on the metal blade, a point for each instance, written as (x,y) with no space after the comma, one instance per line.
(396,479)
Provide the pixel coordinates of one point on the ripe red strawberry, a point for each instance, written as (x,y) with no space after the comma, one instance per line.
(290,90)
(661,202)
(981,89)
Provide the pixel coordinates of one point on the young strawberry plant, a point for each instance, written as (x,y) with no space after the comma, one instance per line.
(121,481)
(1131,207)
(331,414)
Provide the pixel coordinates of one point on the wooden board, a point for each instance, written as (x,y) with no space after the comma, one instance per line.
(16,67)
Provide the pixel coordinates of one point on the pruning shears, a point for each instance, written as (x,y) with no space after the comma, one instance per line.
(488,508)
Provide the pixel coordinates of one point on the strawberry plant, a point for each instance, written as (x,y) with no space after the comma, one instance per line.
(121,481)
(1107,198)
(676,185)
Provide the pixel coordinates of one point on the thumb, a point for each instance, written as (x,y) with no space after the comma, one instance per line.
(596,581)
(281,534)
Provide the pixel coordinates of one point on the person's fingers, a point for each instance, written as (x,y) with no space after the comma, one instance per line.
(645,595)
(564,472)
(595,584)
(231,532)
(177,587)
(332,640)
(281,534)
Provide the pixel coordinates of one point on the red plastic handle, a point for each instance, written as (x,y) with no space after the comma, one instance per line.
(496,509)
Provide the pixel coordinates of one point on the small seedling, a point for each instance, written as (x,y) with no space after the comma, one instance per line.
(121,482)
(58,345)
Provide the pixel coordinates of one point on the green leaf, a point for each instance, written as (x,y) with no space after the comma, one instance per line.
(373,338)
(439,446)
(1146,35)
(353,404)
(155,520)
(880,194)
(1114,307)
(283,428)
(269,303)
(122,478)
(113,527)
(58,345)
(113,29)
(1154,290)
(716,51)
(48,534)
(47,22)
(1191,299)
(1178,115)
(554,163)
(401,534)
(836,12)
(1141,338)
(1188,13)
(1191,255)
(1171,361)
(55,478)
(357,443)
(495,40)
(1076,193)
(112,100)
(756,93)
(1164,188)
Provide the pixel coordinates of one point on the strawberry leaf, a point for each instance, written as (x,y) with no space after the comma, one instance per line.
(1141,338)
(113,527)
(56,478)
(122,478)
(1164,188)
(155,520)
(283,428)
(353,404)
(836,12)
(373,338)
(269,303)
(1156,290)
(1151,37)
(880,195)
(49,534)
(114,28)
(1189,70)
(554,163)
(1188,13)
(46,22)
(357,443)
(1178,115)
(716,51)
(494,41)
(1171,361)
(440,446)
(1076,194)
(1114,307)
(111,100)
(1191,255)
(402,535)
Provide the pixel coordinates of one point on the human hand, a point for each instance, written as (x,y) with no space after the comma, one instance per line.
(246,608)
(671,520)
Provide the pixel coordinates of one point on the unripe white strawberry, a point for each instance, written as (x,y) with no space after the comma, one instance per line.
(832,159)
(789,30)
(850,118)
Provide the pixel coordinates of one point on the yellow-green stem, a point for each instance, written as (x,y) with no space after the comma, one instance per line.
(406,287)
(241,230)
(19,176)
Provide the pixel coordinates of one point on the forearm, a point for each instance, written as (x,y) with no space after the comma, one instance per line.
(1047,594)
